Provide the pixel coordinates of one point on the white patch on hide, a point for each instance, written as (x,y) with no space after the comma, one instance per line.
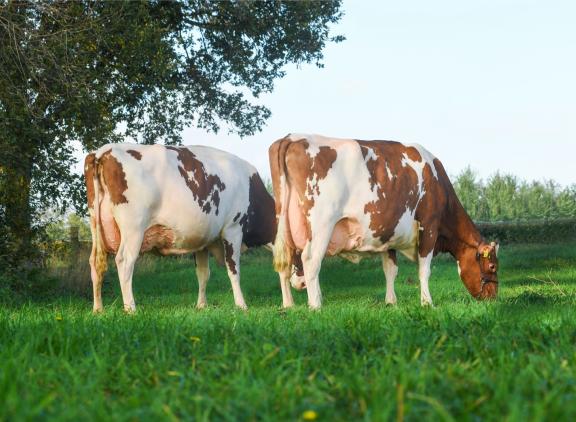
(370,155)
(427,157)
(418,167)
(390,175)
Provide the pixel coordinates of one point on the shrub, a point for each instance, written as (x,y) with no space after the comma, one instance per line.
(536,231)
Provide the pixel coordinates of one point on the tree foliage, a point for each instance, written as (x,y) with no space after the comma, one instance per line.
(91,72)
(504,197)
(58,227)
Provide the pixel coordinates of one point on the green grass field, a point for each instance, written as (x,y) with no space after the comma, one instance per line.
(356,359)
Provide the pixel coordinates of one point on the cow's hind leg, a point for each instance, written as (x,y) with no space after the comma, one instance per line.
(96,283)
(287,300)
(312,261)
(203,274)
(312,256)
(97,279)
(232,242)
(390,267)
(126,257)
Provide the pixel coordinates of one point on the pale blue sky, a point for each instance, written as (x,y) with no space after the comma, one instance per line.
(490,84)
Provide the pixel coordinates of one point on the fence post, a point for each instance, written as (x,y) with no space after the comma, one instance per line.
(74,244)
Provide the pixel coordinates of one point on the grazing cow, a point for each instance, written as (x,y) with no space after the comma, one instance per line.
(350,198)
(173,200)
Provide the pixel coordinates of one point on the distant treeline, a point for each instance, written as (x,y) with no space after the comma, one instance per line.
(504,197)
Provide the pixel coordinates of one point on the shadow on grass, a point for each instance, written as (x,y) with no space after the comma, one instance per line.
(543,298)
(531,298)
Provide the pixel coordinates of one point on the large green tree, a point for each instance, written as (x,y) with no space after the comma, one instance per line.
(91,72)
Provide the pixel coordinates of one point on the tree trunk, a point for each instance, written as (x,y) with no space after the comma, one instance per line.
(15,200)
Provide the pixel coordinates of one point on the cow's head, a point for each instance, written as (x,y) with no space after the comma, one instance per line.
(479,270)
(297,279)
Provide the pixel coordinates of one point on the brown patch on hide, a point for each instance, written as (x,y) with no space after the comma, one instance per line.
(229,256)
(114,178)
(205,187)
(259,222)
(322,162)
(243,221)
(306,172)
(89,165)
(135,154)
(430,210)
(277,156)
(395,184)
(413,154)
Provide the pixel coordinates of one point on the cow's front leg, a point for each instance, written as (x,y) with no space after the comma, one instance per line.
(428,233)
(390,267)
(232,241)
(424,264)
(203,274)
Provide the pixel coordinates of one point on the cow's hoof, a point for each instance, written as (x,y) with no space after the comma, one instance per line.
(202,305)
(97,311)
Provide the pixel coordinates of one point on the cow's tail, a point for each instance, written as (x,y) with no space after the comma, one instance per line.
(282,251)
(101,261)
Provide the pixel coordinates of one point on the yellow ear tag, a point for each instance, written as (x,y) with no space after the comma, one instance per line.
(486,254)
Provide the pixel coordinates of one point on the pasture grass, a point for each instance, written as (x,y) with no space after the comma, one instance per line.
(356,359)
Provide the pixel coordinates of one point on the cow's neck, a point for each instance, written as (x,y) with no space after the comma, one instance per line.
(458,232)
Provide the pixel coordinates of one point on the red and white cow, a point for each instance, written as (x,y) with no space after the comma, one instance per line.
(174,200)
(350,198)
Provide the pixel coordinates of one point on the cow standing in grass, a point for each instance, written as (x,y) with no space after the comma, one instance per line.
(350,198)
(174,200)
